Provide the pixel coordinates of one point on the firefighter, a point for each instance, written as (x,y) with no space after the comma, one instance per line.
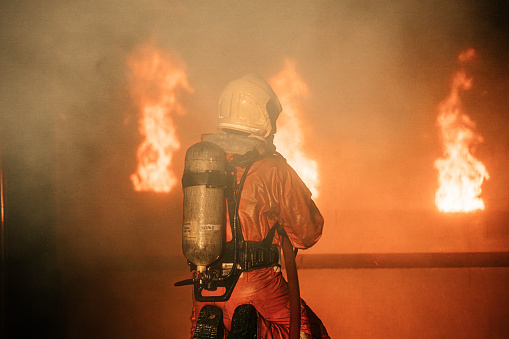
(272,195)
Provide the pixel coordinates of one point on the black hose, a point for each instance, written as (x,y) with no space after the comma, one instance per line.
(293,287)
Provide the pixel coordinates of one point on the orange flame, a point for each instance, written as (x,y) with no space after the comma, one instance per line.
(460,174)
(155,82)
(289,139)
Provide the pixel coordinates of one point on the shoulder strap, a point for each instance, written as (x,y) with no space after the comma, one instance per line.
(233,193)
(234,190)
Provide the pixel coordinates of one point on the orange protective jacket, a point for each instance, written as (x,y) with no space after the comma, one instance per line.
(272,192)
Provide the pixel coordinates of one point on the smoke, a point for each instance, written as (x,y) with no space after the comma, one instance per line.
(376,72)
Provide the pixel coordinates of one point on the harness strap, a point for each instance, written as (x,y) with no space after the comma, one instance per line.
(250,254)
(270,236)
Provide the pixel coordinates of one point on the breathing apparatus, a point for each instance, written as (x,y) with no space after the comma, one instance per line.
(209,184)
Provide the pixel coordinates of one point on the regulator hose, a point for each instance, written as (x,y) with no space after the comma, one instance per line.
(293,287)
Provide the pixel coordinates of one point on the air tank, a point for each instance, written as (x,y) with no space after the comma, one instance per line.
(204,215)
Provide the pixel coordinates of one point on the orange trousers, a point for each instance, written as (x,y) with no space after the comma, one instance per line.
(267,290)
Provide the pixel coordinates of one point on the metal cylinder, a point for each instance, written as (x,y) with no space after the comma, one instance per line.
(204,217)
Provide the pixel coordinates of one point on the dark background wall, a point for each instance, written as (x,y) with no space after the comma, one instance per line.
(86,256)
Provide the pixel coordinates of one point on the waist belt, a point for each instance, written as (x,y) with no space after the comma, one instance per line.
(259,254)
(252,255)
(256,254)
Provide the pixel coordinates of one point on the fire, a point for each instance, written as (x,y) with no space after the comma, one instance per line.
(460,174)
(289,139)
(154,84)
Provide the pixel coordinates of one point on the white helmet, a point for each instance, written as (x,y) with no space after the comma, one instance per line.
(249,105)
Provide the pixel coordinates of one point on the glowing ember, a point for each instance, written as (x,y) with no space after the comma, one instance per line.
(289,86)
(155,82)
(460,174)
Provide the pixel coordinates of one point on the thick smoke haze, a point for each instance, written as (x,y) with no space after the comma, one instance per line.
(376,72)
